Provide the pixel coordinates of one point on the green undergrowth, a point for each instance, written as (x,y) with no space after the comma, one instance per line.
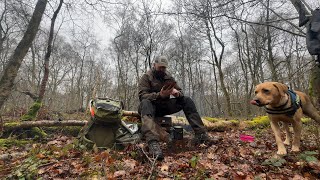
(234,121)
(264,122)
(306,120)
(258,122)
(212,119)
(215,120)
(14,142)
(32,113)
(67,130)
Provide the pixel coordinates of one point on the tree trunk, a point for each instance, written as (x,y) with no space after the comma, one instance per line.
(33,111)
(314,89)
(218,63)
(11,69)
(48,54)
(269,43)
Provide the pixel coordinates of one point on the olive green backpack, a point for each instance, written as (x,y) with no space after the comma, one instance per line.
(105,129)
(106,110)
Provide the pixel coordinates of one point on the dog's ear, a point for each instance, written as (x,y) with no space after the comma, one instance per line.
(282,88)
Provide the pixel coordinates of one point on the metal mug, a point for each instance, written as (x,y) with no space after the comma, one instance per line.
(177,132)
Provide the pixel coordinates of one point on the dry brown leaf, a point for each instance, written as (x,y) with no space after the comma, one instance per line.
(241,175)
(54,142)
(119,173)
(41,171)
(211,156)
(130,163)
(40,156)
(314,165)
(297,177)
(164,168)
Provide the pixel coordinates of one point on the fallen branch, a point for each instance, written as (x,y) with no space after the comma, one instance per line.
(130,113)
(213,126)
(42,123)
(48,123)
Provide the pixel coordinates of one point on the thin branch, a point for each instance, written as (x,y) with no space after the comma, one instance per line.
(30,94)
(247,22)
(295,26)
(263,24)
(152,167)
(151,160)
(307,5)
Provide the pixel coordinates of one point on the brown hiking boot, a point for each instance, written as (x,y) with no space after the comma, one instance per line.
(155,150)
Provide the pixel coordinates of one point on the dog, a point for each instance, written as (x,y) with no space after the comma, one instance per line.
(286,106)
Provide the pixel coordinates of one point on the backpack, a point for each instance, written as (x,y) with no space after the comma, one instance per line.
(115,136)
(313,33)
(105,129)
(105,110)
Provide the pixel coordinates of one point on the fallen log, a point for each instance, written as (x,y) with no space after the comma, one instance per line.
(42,123)
(48,123)
(131,113)
(216,126)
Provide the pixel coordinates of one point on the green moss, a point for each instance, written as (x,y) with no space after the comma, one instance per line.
(23,133)
(211,119)
(310,90)
(181,118)
(235,122)
(260,121)
(68,130)
(14,142)
(11,125)
(32,113)
(124,118)
(305,120)
(38,133)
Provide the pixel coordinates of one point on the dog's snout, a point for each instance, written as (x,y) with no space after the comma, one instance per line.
(257,101)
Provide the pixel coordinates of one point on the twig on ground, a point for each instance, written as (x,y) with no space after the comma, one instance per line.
(152,167)
(151,160)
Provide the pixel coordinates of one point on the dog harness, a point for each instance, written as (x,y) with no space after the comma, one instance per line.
(290,111)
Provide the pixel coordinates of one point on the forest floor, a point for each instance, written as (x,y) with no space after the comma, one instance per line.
(60,157)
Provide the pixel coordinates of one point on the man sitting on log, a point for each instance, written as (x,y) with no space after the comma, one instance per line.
(160,95)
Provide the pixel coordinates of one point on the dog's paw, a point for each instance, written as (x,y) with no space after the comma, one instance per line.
(282,152)
(295,149)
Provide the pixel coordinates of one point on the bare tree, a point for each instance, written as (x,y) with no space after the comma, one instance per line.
(11,70)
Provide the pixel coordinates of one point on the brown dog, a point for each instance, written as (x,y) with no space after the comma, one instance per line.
(287,106)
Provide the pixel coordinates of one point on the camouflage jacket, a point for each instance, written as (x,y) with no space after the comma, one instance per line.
(150,86)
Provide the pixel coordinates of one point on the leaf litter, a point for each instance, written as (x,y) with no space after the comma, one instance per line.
(231,158)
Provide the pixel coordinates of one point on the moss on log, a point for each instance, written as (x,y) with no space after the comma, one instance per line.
(43,123)
(13,142)
(32,113)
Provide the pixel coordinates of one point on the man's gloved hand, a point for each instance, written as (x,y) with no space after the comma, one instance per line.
(166,92)
(175,93)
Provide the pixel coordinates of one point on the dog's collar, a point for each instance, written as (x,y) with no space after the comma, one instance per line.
(290,111)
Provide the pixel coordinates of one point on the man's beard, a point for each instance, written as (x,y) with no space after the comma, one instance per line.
(159,74)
